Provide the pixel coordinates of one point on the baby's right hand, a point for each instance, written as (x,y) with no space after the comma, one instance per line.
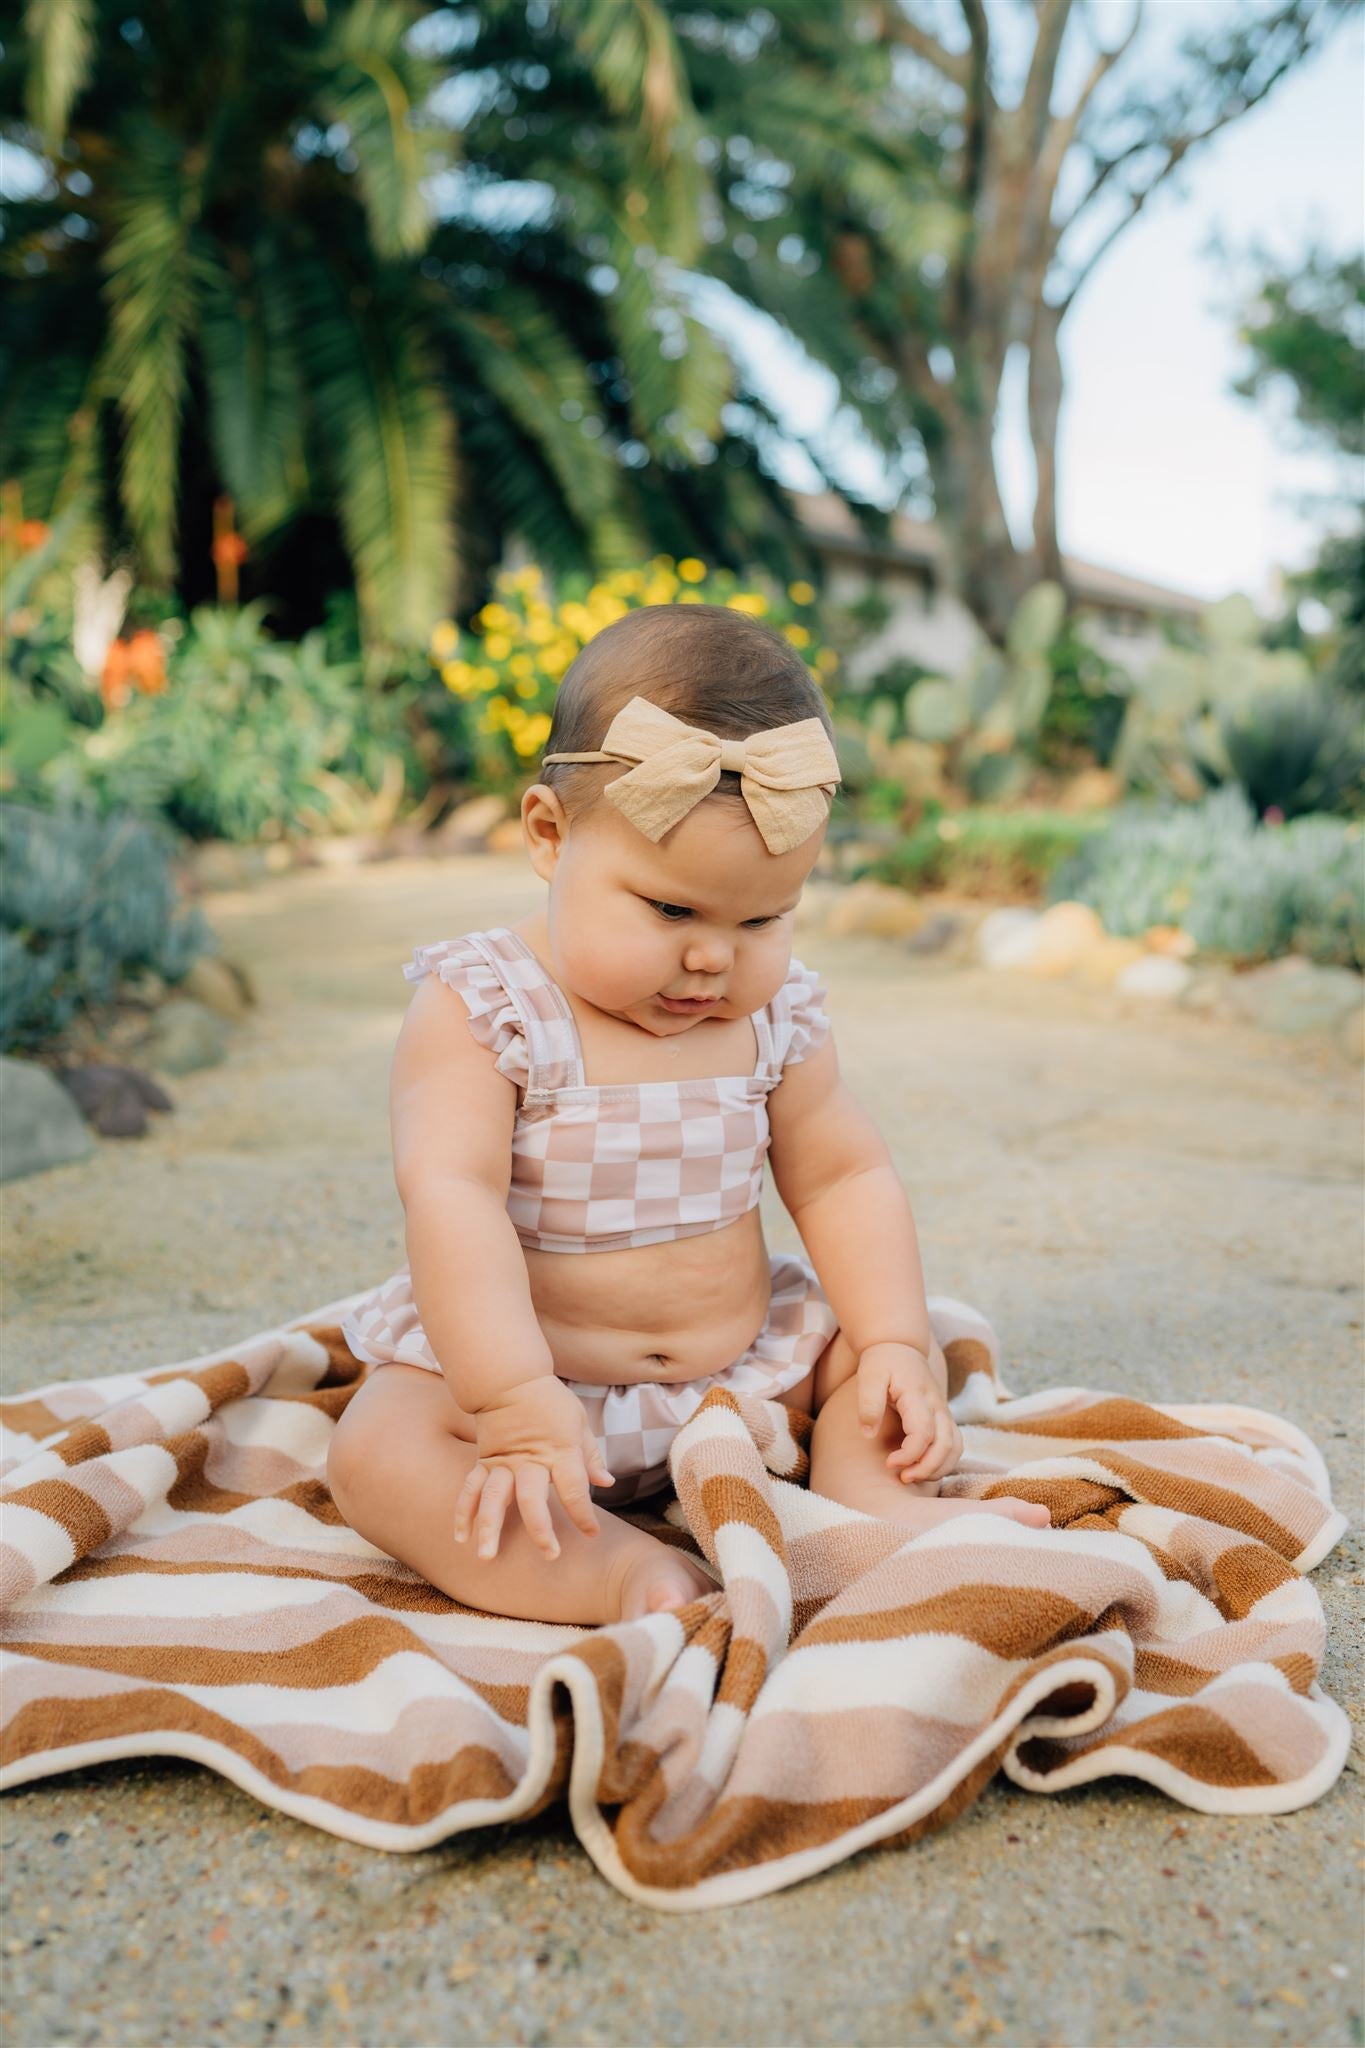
(527,1436)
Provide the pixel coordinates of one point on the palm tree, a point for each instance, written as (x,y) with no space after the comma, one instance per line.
(420,276)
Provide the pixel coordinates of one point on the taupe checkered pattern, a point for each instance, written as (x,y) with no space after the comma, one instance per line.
(595,1168)
(611,1166)
(635,1423)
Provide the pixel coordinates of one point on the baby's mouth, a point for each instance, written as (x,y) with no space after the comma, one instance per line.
(689,1006)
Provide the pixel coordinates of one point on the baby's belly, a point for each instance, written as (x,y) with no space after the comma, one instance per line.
(680,1310)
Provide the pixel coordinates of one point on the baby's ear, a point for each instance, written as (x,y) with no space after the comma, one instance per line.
(545,826)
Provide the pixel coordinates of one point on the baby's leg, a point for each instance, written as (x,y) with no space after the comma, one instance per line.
(397,1461)
(850,1467)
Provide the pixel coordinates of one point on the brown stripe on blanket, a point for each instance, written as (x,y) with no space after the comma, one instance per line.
(1009,1621)
(472,1773)
(1189,1496)
(340,1656)
(70,1507)
(1193,1739)
(1244,1574)
(1109,1421)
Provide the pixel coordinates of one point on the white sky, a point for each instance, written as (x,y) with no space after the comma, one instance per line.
(1163,471)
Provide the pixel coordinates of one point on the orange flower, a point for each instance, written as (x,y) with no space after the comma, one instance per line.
(136,664)
(230,551)
(115,688)
(32,534)
(147,662)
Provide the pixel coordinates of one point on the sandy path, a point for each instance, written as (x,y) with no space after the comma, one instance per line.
(1164,1203)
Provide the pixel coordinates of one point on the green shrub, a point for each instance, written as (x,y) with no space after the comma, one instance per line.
(85,902)
(1294,751)
(984,852)
(252,737)
(1242,890)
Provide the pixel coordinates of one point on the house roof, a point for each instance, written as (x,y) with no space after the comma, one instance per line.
(918,544)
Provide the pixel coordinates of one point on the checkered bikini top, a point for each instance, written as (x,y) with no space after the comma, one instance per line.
(599,1168)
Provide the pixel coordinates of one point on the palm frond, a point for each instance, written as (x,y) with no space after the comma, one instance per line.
(60,45)
(373,83)
(386,436)
(153,267)
(255,391)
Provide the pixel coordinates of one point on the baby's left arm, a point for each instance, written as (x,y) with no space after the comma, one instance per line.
(835,1174)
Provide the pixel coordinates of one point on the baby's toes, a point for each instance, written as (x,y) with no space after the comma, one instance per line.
(1031,1513)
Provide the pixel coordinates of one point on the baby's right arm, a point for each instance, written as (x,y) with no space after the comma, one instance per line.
(452,1115)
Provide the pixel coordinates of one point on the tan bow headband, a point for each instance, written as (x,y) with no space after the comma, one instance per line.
(785,773)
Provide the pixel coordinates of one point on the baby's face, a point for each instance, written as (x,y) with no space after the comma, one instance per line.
(704,912)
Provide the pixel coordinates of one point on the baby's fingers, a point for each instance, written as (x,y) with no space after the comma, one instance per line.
(571,1484)
(468,1499)
(941,1454)
(492,1507)
(873,1381)
(595,1462)
(533,1492)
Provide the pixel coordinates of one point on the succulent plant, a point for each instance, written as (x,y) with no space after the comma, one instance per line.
(85,902)
(996,709)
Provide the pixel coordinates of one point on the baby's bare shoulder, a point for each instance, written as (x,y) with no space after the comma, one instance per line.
(450,1109)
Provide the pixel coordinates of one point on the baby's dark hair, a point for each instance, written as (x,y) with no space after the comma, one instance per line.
(707,663)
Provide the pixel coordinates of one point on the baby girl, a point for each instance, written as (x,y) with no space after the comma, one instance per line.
(607,1076)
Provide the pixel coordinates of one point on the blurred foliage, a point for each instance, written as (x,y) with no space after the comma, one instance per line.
(1218,710)
(1242,890)
(505,671)
(984,852)
(992,715)
(85,903)
(246,737)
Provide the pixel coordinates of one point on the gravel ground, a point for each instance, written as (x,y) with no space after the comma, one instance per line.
(1167,1204)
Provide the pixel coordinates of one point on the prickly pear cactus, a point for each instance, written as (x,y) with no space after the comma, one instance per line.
(1172,733)
(996,709)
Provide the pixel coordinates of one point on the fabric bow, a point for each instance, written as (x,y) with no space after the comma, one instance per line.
(785,772)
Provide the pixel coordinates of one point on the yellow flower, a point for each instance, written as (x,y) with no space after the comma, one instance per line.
(827,660)
(445,638)
(798,636)
(485,678)
(691,570)
(801,592)
(493,615)
(541,631)
(660,590)
(528,687)
(748,601)
(625,582)
(661,562)
(522,665)
(497,647)
(691,597)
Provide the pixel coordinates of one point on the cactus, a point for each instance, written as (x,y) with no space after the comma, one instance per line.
(996,709)
(1173,730)
(84,903)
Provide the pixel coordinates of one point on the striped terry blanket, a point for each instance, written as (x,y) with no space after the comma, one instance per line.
(177,1581)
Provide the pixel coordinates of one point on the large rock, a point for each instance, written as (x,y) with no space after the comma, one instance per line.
(214,983)
(1156,977)
(114,1099)
(184,1037)
(40,1125)
(1062,938)
(507,836)
(1007,938)
(873,908)
(1104,963)
(1293,996)
(469,824)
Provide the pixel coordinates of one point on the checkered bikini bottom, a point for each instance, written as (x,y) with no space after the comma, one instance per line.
(635,1425)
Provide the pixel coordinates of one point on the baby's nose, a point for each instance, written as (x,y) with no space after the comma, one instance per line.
(707,953)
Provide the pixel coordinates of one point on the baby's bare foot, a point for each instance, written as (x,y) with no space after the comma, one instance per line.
(651,1584)
(925,1511)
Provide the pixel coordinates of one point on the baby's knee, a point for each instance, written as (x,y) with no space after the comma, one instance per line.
(347,1459)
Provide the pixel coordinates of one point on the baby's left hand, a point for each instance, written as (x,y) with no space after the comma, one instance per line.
(898,1375)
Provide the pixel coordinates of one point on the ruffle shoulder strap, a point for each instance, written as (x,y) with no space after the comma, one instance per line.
(802,1024)
(493,1016)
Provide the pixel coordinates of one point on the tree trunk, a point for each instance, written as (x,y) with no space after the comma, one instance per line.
(1044,412)
(987,571)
